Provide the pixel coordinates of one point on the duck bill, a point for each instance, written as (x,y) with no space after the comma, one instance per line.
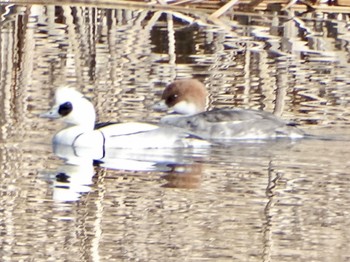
(51,114)
(160,106)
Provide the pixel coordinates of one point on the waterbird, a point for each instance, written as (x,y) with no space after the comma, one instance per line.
(186,100)
(78,113)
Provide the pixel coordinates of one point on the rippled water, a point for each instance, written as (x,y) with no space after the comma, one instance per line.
(263,201)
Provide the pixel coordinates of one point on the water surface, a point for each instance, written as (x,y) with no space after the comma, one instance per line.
(245,201)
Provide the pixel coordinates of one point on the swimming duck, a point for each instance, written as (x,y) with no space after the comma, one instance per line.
(79,114)
(188,98)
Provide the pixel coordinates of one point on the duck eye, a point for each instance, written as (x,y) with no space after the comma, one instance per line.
(171,99)
(65,108)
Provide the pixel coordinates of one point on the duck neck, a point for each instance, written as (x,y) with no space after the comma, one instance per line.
(84,118)
(84,127)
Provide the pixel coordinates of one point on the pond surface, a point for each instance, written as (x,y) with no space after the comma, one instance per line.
(246,201)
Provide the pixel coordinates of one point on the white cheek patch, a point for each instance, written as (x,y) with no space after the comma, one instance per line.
(185,108)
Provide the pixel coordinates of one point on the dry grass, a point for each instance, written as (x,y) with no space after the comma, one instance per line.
(215,7)
(220,7)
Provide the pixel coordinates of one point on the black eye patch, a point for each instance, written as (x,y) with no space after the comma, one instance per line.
(65,108)
(171,100)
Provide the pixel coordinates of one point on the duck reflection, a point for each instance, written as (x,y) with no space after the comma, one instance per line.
(184,176)
(72,180)
(75,177)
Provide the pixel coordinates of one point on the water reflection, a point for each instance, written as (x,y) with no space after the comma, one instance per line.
(125,55)
(184,176)
(75,176)
(259,202)
(73,179)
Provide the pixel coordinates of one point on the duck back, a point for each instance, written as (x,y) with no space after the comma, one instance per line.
(234,124)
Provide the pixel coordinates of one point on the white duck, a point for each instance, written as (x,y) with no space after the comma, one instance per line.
(187,98)
(79,115)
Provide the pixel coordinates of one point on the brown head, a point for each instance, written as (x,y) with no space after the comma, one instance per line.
(187,96)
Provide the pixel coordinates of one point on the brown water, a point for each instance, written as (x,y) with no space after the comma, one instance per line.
(266,201)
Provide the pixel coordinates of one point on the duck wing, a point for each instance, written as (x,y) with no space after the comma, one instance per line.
(144,135)
(233,124)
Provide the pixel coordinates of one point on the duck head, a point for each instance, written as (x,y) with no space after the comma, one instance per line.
(187,97)
(73,108)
